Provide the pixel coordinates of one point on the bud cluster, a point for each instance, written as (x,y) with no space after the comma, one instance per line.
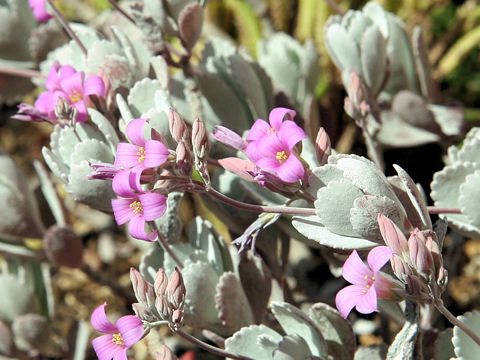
(356,105)
(164,300)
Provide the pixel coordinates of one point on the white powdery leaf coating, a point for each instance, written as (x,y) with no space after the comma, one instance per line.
(255,341)
(92,150)
(465,347)
(292,347)
(470,198)
(106,128)
(140,98)
(373,58)
(343,50)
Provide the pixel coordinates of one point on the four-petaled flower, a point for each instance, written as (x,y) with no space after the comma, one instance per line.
(67,83)
(118,338)
(271,145)
(368,284)
(39,11)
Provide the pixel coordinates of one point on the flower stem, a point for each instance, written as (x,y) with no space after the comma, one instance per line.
(26,73)
(445,210)
(163,243)
(466,329)
(121,11)
(333,4)
(259,208)
(210,348)
(67,27)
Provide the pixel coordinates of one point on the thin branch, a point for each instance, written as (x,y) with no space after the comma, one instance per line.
(166,247)
(444,210)
(121,11)
(26,73)
(67,27)
(335,7)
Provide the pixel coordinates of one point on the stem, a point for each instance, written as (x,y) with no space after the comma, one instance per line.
(163,243)
(121,11)
(20,251)
(335,7)
(260,208)
(210,348)
(371,146)
(157,323)
(445,210)
(467,330)
(21,72)
(67,27)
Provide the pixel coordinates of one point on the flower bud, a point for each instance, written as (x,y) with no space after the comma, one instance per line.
(177,319)
(229,138)
(161,305)
(63,247)
(356,91)
(178,128)
(322,146)
(417,288)
(400,267)
(442,278)
(175,290)
(184,159)
(392,235)
(142,313)
(161,282)
(200,142)
(432,245)
(64,112)
(143,289)
(419,255)
(166,354)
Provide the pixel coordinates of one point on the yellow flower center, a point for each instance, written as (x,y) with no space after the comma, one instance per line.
(281,156)
(141,154)
(270,130)
(75,97)
(137,205)
(117,339)
(370,281)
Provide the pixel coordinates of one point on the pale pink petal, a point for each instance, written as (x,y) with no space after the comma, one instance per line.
(123,184)
(153,204)
(253,151)
(131,329)
(45,102)
(104,347)
(73,84)
(240,167)
(384,287)
(39,11)
(355,271)
(277,115)
(270,145)
(156,153)
(82,111)
(52,82)
(259,129)
(135,131)
(268,163)
(136,228)
(367,303)
(291,170)
(127,155)
(100,321)
(229,137)
(291,134)
(392,235)
(65,72)
(347,298)
(94,85)
(121,354)
(122,210)
(378,257)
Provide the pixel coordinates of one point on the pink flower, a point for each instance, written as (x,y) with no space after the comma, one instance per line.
(119,337)
(271,146)
(137,209)
(65,82)
(368,284)
(39,11)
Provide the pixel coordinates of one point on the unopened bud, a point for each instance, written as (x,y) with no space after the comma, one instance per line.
(63,247)
(64,112)
(161,282)
(432,245)
(442,278)
(201,145)
(176,290)
(229,138)
(400,267)
(162,307)
(165,354)
(419,255)
(392,235)
(178,128)
(417,288)
(142,313)
(184,159)
(143,289)
(177,319)
(356,91)
(322,146)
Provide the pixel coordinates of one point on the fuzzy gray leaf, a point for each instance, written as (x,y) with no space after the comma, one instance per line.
(403,346)
(292,347)
(21,298)
(255,341)
(465,347)
(373,58)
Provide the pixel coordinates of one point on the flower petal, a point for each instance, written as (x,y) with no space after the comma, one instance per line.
(277,115)
(268,163)
(100,321)
(52,78)
(258,130)
(156,153)
(127,155)
(153,204)
(291,170)
(122,210)
(136,228)
(121,354)
(82,111)
(270,145)
(135,131)
(367,303)
(104,347)
(354,270)
(291,134)
(378,257)
(45,102)
(131,329)
(65,72)
(72,84)
(94,85)
(124,182)
(347,298)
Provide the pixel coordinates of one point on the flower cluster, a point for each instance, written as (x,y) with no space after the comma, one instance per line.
(64,82)
(135,205)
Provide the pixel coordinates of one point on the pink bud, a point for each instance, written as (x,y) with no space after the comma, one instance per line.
(176,290)
(142,313)
(432,245)
(162,307)
(161,282)
(240,167)
(322,146)
(166,354)
(177,318)
(400,267)
(356,91)
(178,128)
(419,255)
(201,145)
(184,159)
(190,23)
(392,235)
(143,289)
(229,138)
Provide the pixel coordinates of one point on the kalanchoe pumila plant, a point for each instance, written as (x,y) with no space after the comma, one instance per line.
(140,120)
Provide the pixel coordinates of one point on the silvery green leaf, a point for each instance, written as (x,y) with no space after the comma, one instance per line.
(312,228)
(326,174)
(255,341)
(469,151)
(357,24)
(201,236)
(341,47)
(337,218)
(160,67)
(337,331)
(21,216)
(444,349)
(170,223)
(136,52)
(294,321)
(17,23)
(50,194)
(183,251)
(412,108)
(159,122)
(379,16)
(97,53)
(372,352)
(124,110)
(465,347)
(363,216)
(106,129)
(55,164)
(141,99)
(200,283)
(470,198)
(151,261)
(21,298)
(403,346)
(450,119)
(373,58)
(91,150)
(292,347)
(232,304)
(95,193)
(309,153)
